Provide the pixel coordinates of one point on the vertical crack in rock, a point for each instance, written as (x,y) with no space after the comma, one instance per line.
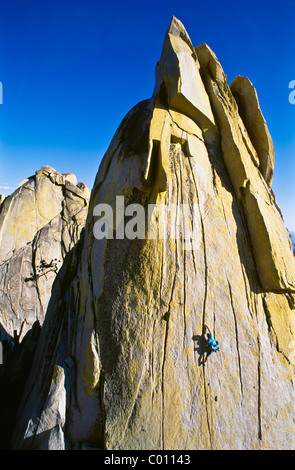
(204,301)
(271,331)
(34,268)
(182,202)
(207,408)
(165,355)
(259,393)
(236,336)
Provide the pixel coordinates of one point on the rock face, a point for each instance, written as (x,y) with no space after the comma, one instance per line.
(39,223)
(119,362)
(247,101)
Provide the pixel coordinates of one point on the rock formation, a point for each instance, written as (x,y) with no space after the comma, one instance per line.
(119,361)
(39,224)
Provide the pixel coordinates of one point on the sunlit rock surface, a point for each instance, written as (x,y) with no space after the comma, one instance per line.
(119,362)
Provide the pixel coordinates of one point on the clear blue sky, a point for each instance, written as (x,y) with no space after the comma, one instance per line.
(72,69)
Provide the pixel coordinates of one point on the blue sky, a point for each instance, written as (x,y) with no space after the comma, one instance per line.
(71,70)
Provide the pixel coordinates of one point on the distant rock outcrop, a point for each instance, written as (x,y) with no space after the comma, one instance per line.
(119,362)
(39,223)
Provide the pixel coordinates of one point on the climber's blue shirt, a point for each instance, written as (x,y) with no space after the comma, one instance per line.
(211,342)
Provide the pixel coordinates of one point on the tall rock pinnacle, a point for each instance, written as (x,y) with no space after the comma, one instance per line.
(119,362)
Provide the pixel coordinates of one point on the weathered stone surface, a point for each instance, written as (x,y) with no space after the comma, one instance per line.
(178,71)
(269,236)
(39,223)
(120,355)
(249,109)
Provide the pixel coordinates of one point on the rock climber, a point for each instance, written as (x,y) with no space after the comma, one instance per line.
(213,345)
